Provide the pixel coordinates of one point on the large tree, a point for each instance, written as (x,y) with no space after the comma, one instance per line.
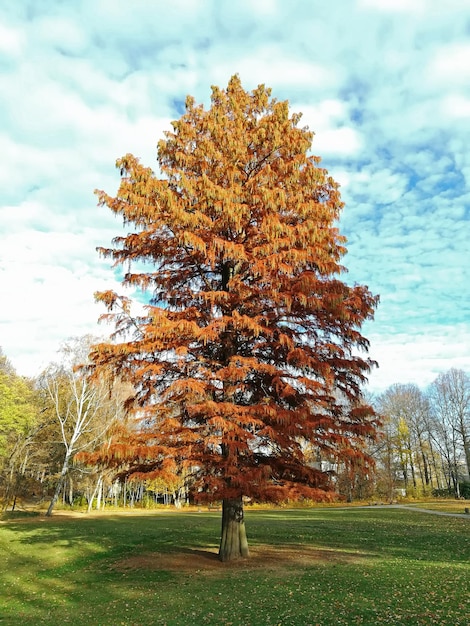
(250,344)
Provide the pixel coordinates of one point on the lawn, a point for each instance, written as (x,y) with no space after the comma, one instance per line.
(317,566)
(445,506)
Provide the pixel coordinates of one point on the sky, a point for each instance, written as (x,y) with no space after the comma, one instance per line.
(384,85)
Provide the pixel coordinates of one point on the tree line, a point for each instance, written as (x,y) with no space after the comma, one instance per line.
(422,448)
(46,422)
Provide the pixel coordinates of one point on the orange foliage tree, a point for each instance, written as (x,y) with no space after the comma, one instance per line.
(249,347)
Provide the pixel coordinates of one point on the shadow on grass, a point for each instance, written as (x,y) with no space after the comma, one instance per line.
(392,532)
(19,515)
(163,568)
(115,534)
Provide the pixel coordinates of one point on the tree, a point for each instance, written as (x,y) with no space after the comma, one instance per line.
(18,422)
(249,336)
(450,398)
(407,447)
(78,404)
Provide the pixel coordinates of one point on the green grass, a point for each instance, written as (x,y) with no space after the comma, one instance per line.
(446,506)
(10,515)
(352,566)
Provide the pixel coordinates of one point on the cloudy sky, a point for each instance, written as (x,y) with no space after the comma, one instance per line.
(384,84)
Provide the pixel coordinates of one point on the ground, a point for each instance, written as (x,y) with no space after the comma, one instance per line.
(266,558)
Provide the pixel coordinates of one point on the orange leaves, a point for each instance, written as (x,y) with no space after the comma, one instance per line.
(191,240)
(246,348)
(112,300)
(224,250)
(189,389)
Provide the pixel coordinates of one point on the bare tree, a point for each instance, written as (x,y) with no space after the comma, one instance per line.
(450,398)
(80,406)
(407,438)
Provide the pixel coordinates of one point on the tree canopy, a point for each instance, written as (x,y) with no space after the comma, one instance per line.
(249,348)
(17,410)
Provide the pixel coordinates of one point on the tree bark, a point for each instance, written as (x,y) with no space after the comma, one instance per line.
(466,445)
(55,497)
(233,541)
(60,482)
(96,494)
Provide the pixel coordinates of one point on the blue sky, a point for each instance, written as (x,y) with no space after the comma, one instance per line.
(384,84)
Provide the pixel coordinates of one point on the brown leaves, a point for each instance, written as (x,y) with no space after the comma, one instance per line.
(248,342)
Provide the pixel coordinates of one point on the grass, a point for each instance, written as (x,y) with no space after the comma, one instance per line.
(445,506)
(316,566)
(11,515)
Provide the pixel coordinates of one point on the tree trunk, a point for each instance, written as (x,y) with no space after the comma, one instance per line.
(466,447)
(60,482)
(94,495)
(70,497)
(55,497)
(233,542)
(99,495)
(437,473)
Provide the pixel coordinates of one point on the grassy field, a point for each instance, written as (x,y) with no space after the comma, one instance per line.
(445,506)
(373,565)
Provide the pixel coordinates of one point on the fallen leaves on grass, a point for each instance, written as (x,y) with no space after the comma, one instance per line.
(262,557)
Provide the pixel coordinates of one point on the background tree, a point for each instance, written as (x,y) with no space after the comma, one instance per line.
(386,469)
(100,480)
(19,415)
(249,336)
(450,399)
(81,407)
(407,449)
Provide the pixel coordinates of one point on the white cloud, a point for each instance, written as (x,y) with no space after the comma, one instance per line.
(455,106)
(265,64)
(384,86)
(330,121)
(395,6)
(450,65)
(61,33)
(422,356)
(338,141)
(11,41)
